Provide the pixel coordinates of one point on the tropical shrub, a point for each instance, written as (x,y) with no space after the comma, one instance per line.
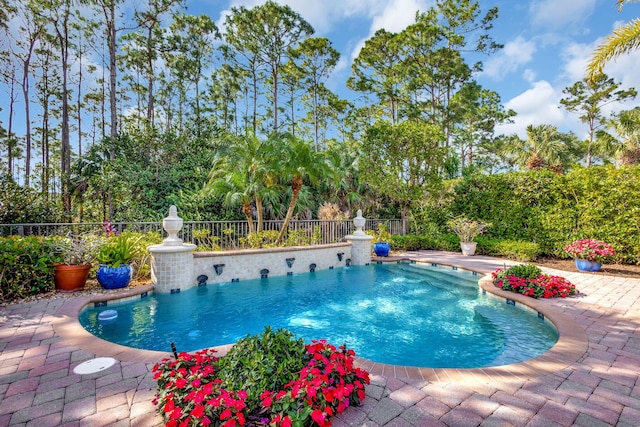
(142,260)
(26,266)
(200,389)
(204,241)
(267,361)
(22,205)
(527,280)
(119,249)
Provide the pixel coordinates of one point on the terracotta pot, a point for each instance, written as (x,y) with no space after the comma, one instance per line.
(69,278)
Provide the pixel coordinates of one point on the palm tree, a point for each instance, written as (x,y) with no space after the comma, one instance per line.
(298,162)
(625,146)
(235,188)
(243,174)
(624,39)
(544,148)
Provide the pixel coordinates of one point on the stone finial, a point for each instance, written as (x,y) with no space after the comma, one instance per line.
(359,221)
(172,225)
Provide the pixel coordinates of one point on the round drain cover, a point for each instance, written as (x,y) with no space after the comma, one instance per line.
(94,365)
(107,315)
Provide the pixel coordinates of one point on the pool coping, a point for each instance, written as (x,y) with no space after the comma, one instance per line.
(572,343)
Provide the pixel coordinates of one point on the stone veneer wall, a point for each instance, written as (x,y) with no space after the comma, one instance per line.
(248,264)
(171,267)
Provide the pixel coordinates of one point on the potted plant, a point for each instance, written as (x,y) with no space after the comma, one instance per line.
(76,255)
(589,254)
(467,230)
(381,239)
(115,258)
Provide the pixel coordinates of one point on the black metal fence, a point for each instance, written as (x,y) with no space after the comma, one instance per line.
(226,233)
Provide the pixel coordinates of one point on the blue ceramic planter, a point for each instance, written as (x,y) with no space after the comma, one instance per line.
(114,277)
(381,248)
(586,265)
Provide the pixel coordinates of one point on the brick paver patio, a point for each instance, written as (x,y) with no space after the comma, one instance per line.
(41,343)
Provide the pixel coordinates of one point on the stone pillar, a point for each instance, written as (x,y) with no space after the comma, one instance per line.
(360,242)
(172,260)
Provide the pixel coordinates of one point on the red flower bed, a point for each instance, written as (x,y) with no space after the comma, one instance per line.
(543,286)
(190,394)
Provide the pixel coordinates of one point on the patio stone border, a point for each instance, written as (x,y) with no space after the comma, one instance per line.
(570,347)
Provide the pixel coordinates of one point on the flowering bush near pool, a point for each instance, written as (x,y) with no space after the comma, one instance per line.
(191,391)
(528,280)
(591,250)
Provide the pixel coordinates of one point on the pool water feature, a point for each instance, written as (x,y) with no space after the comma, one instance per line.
(402,314)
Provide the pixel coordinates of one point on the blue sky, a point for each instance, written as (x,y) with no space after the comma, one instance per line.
(547,45)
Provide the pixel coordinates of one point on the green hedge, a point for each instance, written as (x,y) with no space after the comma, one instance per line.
(511,249)
(601,202)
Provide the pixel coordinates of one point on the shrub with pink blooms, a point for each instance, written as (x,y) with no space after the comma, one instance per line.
(528,280)
(198,390)
(590,250)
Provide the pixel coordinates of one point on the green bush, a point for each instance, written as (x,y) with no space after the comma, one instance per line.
(24,205)
(267,361)
(438,242)
(410,242)
(523,271)
(26,266)
(142,259)
(260,239)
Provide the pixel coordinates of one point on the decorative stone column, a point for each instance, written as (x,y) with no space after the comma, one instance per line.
(360,242)
(172,260)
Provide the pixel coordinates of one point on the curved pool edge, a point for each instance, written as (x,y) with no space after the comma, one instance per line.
(572,343)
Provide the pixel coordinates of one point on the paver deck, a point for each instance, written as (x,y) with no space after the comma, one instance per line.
(590,383)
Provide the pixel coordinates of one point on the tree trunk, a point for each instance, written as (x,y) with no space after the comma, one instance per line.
(10,139)
(27,123)
(150,79)
(246,210)
(259,209)
(296,186)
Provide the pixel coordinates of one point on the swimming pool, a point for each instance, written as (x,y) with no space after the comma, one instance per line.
(403,314)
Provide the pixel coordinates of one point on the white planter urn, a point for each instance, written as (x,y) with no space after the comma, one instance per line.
(468,248)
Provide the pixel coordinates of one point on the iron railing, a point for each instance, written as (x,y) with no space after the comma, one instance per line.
(227,234)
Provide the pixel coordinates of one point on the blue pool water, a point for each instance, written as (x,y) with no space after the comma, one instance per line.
(403,314)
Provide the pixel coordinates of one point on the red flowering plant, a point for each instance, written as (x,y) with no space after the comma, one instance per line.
(190,394)
(195,390)
(590,250)
(528,280)
(328,385)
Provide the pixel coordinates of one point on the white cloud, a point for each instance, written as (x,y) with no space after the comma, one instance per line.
(537,105)
(577,56)
(395,16)
(623,70)
(324,16)
(529,75)
(514,54)
(565,15)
